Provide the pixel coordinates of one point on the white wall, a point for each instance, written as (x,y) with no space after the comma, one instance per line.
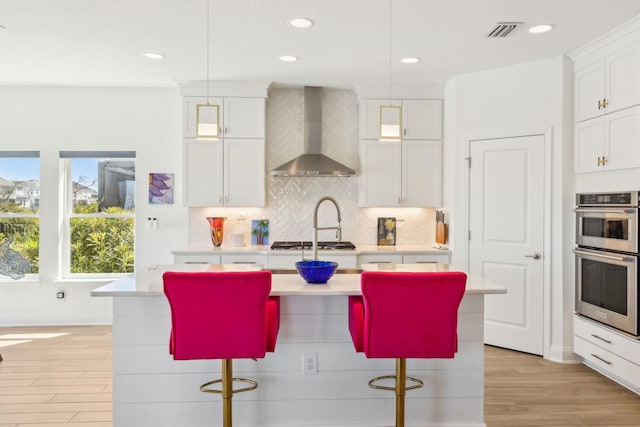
(50,119)
(531,97)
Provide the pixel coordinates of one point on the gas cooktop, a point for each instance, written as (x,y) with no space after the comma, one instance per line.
(298,245)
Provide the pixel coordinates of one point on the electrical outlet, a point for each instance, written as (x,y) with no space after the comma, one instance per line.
(310,361)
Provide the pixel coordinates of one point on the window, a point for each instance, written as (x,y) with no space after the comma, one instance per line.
(100,207)
(19,213)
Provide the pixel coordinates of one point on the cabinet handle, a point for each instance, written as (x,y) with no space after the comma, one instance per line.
(600,338)
(404,131)
(226,130)
(601,161)
(605,103)
(599,105)
(604,160)
(601,359)
(399,200)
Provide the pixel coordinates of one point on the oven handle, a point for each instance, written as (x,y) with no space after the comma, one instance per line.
(601,255)
(610,210)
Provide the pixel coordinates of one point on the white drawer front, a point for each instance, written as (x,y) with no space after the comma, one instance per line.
(622,370)
(623,346)
(197,259)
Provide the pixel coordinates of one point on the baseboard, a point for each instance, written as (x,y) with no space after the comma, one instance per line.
(563,355)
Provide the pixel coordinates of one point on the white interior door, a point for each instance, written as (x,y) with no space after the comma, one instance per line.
(506,224)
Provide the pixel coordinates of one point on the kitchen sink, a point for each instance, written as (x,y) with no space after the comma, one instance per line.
(294,271)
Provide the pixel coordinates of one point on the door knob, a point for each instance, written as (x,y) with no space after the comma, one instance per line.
(534,256)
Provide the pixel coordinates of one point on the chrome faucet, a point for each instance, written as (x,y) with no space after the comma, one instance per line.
(315,224)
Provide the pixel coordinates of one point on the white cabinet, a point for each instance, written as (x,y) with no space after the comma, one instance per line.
(608,351)
(204,258)
(608,142)
(403,258)
(251,258)
(240,117)
(608,85)
(229,171)
(405,173)
(442,258)
(421,118)
(226,172)
(384,258)
(286,260)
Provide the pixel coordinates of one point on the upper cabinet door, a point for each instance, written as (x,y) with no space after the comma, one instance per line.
(422,173)
(589,87)
(244,118)
(244,172)
(369,110)
(380,180)
(608,85)
(623,79)
(190,112)
(203,166)
(422,119)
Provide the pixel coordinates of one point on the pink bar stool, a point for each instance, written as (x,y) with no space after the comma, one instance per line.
(406,315)
(222,315)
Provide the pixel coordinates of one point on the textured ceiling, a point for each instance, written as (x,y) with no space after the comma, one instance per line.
(101,42)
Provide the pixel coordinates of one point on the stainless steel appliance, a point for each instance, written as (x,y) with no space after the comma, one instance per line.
(607,259)
(300,245)
(608,221)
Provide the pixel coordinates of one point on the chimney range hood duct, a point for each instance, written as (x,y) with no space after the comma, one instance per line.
(312,162)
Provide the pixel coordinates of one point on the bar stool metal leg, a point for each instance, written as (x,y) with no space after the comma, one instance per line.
(227,391)
(401,374)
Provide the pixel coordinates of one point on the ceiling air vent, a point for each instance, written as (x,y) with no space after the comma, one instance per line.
(503,29)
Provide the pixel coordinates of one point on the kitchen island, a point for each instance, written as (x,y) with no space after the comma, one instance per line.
(151,389)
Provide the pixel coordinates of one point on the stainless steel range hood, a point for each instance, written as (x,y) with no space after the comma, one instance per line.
(312,162)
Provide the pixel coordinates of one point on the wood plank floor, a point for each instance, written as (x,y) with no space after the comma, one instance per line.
(66,381)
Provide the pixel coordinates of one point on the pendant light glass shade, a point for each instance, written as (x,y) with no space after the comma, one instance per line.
(390,123)
(208,121)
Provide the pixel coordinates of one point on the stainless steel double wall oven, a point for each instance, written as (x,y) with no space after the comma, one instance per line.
(607,259)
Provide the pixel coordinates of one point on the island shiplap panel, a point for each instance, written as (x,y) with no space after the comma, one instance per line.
(150,388)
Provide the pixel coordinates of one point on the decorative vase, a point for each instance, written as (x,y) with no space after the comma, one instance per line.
(217,227)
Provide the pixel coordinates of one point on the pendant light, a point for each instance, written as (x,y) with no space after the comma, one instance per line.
(390,115)
(208,115)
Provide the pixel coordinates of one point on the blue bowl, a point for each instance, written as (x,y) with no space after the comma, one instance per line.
(316,271)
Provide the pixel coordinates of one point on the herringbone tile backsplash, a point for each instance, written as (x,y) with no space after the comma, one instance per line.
(290,201)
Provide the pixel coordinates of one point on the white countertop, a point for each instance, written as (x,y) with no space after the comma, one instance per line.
(360,249)
(149,282)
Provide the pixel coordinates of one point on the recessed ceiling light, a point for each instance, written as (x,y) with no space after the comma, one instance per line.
(154,55)
(538,29)
(301,23)
(288,58)
(410,60)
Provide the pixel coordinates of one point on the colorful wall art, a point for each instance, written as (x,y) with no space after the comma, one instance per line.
(161,188)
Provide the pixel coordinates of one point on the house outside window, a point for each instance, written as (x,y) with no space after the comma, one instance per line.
(99,212)
(19,214)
